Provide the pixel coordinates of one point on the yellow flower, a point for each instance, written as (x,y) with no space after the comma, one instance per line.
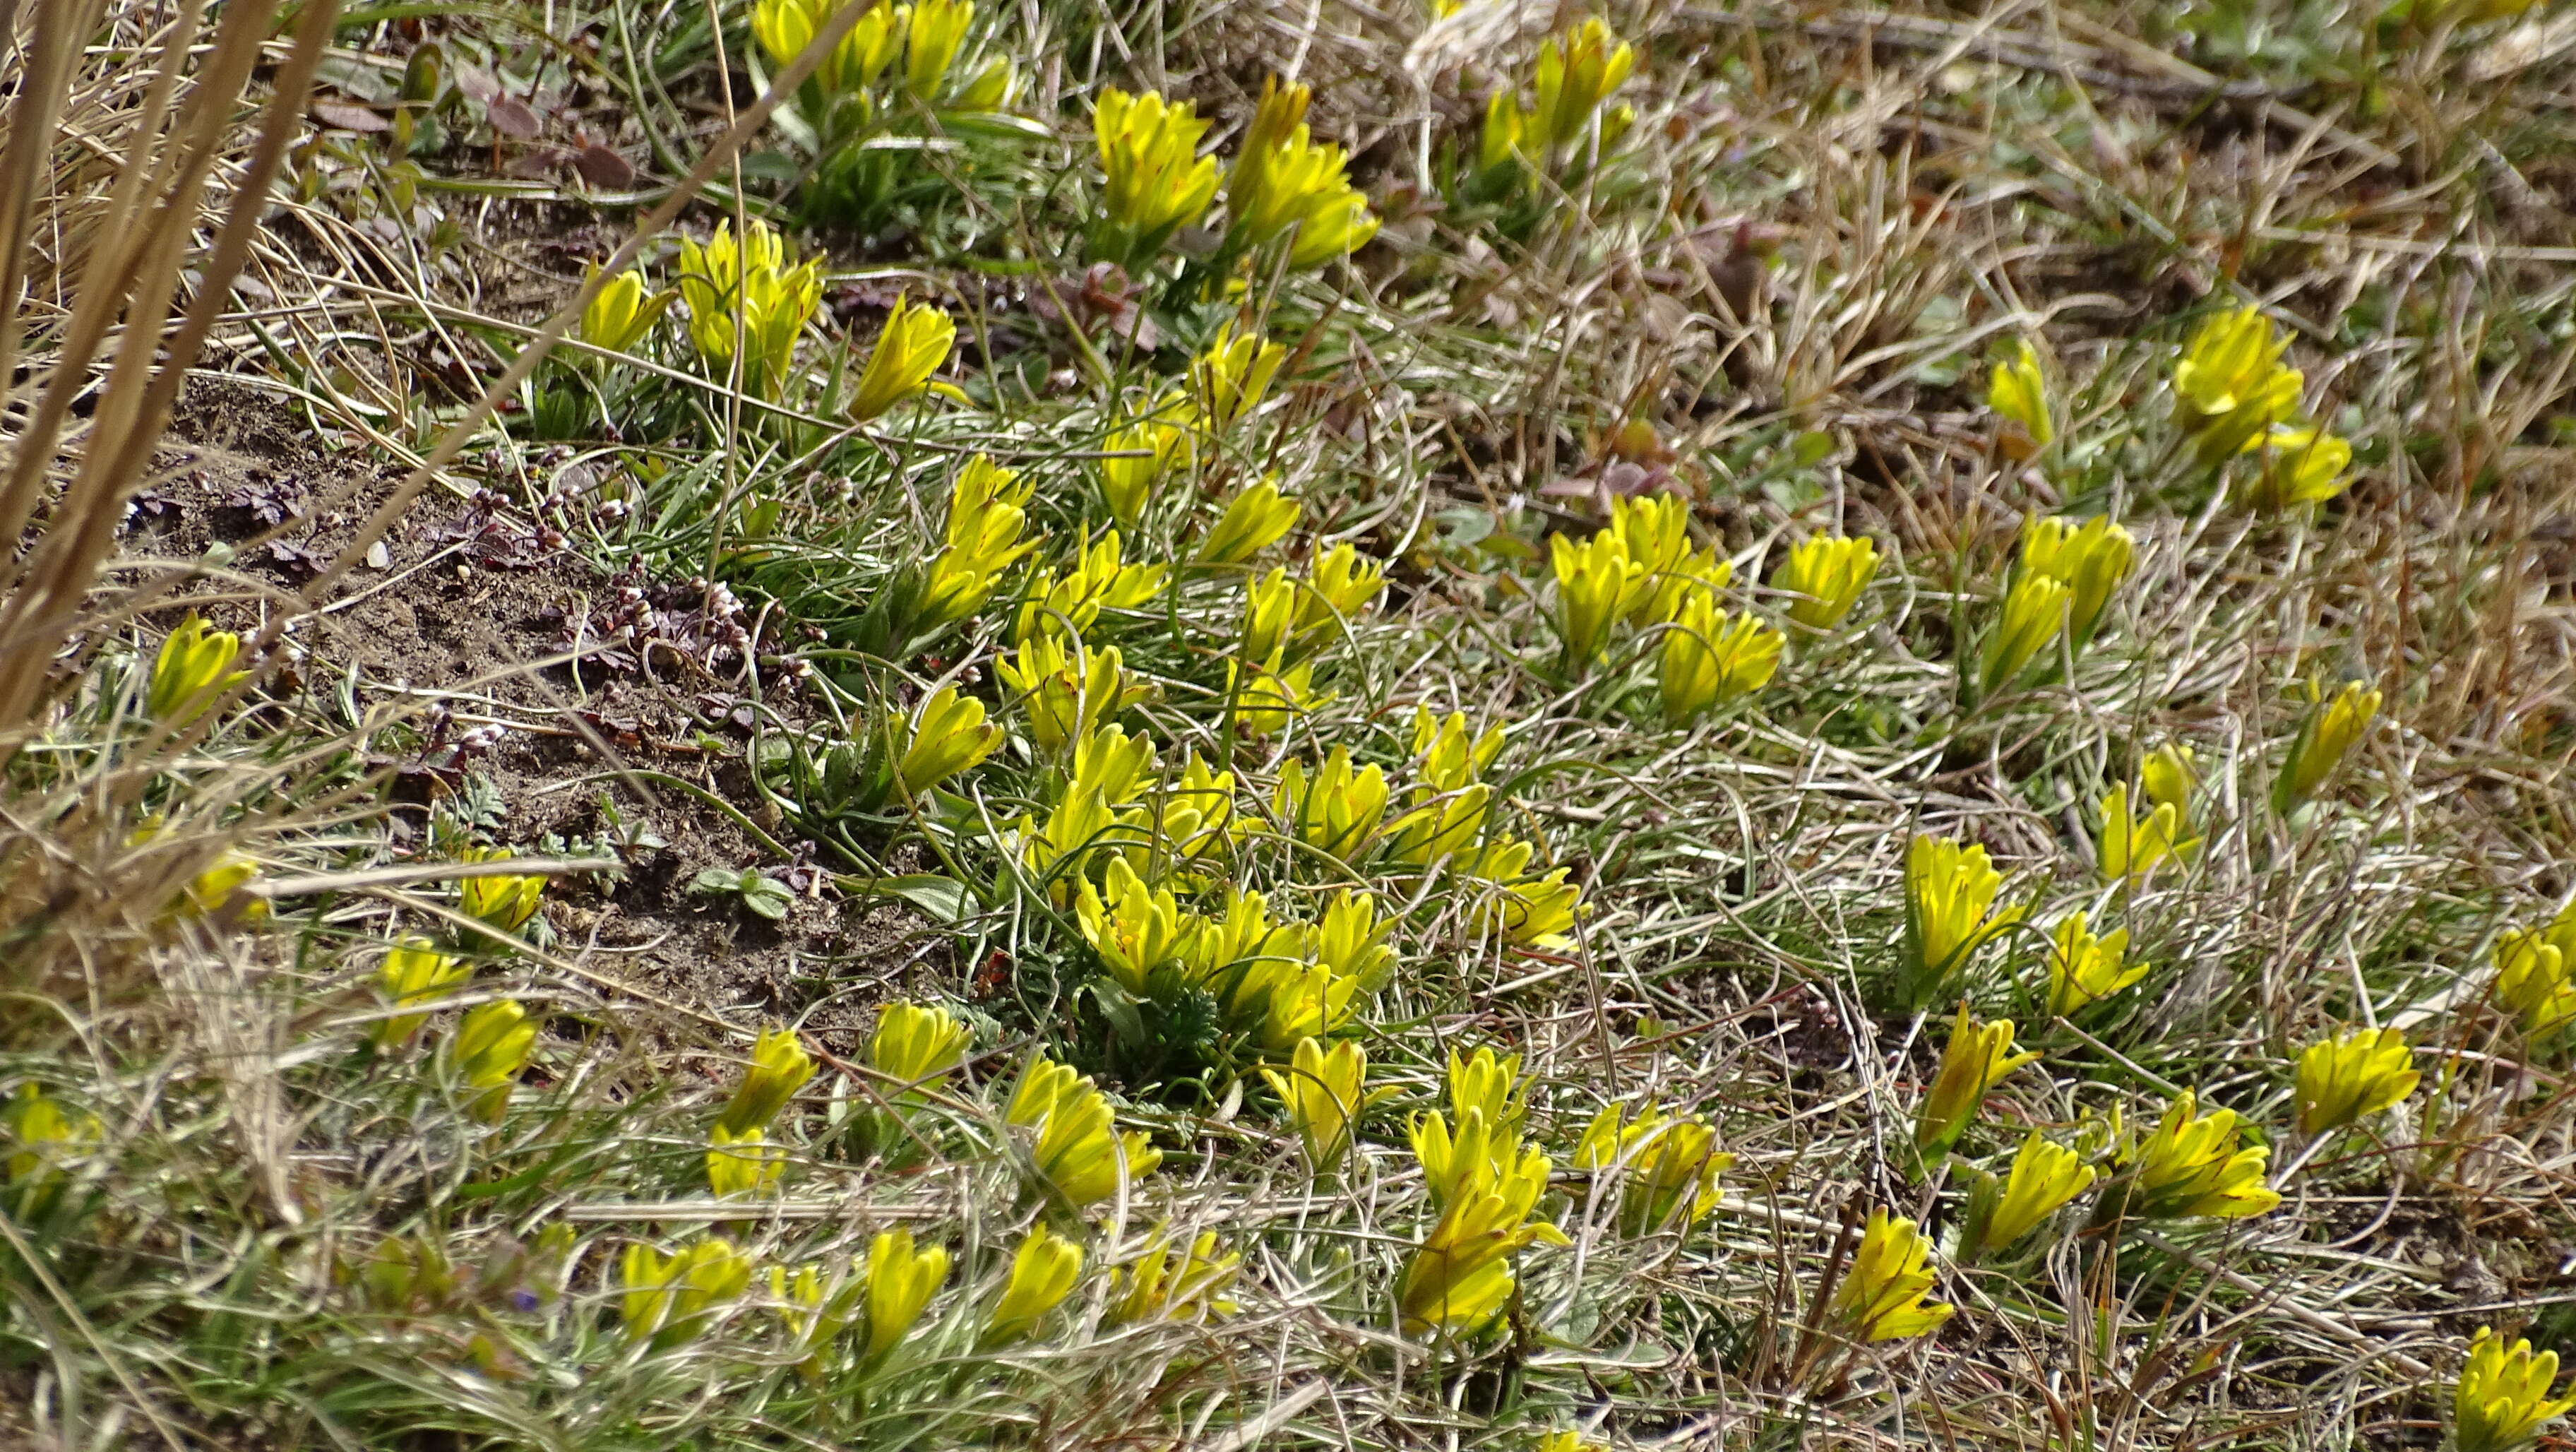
(1576,73)
(192,669)
(1154,181)
(1976,1059)
(621,313)
(743,1164)
(1529,912)
(1137,930)
(1324,1093)
(815,1314)
(1827,574)
(949,735)
(2168,778)
(1337,813)
(2302,465)
(1503,137)
(1229,380)
(1069,688)
(901,1281)
(1100,579)
(2131,848)
(1669,1164)
(490,1048)
(1161,1285)
(1441,827)
(748,285)
(1450,757)
(1043,1272)
(2229,385)
(1140,453)
(2502,1400)
(2347,1079)
(1654,532)
(2533,966)
(2034,611)
(1342,585)
(785,27)
(667,1297)
(1949,899)
(2091,559)
(1593,582)
(2192,1166)
(2017,391)
(1267,698)
(986,511)
(218,890)
(2044,1177)
(2324,739)
(931,42)
(2085,969)
(1346,944)
(779,1067)
(1709,656)
(1881,1294)
(1283,180)
(414,974)
(1076,1151)
(503,903)
(1461,1274)
(916,1044)
(41,1139)
(916,339)
(1488,1084)
(1257,516)
(1269,610)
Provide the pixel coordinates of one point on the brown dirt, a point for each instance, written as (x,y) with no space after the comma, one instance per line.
(451,619)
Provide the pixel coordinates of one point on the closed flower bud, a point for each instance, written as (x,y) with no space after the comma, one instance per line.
(1229,380)
(1593,582)
(2034,611)
(415,974)
(915,340)
(1826,574)
(2324,739)
(1949,913)
(2017,391)
(621,312)
(2502,1398)
(192,669)
(1576,72)
(2043,1179)
(2297,467)
(2341,1081)
(1171,1283)
(915,1044)
(900,1282)
(1336,812)
(779,1067)
(1139,453)
(503,903)
(1043,1272)
(1709,657)
(1976,1059)
(1880,1297)
(931,42)
(949,735)
(491,1046)
(1136,930)
(2533,969)
(742,1164)
(2130,848)
(2084,969)
(1258,516)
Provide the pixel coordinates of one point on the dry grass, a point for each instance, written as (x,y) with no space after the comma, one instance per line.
(1822,230)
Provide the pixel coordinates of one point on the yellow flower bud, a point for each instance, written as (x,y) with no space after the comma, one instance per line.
(900,1281)
(1880,1297)
(2019,392)
(1668,1165)
(2034,611)
(192,669)
(1324,1093)
(669,1297)
(1229,380)
(2299,466)
(949,735)
(1258,516)
(916,339)
(2229,385)
(491,1046)
(2084,969)
(915,1044)
(2090,559)
(504,903)
(1170,1284)
(1043,1272)
(1154,182)
(779,1067)
(2502,1398)
(2192,1166)
(2043,1179)
(1827,574)
(621,312)
(1976,1059)
(2344,1080)
(414,974)
(2323,740)
(1709,657)
(1949,900)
